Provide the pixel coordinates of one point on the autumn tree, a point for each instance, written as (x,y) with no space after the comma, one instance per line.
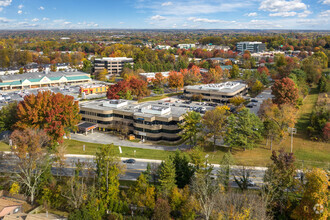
(214,122)
(234,72)
(315,196)
(120,90)
(182,203)
(243,130)
(30,149)
(162,210)
(102,75)
(159,80)
(175,80)
(214,75)
(55,113)
(53,68)
(191,126)
(237,100)
(257,87)
(279,180)
(138,87)
(8,116)
(285,92)
(191,76)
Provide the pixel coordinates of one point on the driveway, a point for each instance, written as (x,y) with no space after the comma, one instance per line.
(104,138)
(266,94)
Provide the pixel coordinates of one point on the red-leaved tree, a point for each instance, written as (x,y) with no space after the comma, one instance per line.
(285,91)
(54,113)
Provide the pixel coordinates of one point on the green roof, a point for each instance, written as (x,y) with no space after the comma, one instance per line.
(77,77)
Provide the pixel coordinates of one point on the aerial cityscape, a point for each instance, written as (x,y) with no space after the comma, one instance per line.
(157,109)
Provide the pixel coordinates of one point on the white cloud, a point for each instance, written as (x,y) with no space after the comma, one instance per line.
(283,14)
(20,6)
(282,5)
(167,4)
(174,26)
(325,13)
(157,18)
(67,22)
(326,2)
(252,14)
(4,3)
(35,19)
(41,8)
(304,14)
(205,20)
(45,19)
(121,22)
(4,20)
(19,12)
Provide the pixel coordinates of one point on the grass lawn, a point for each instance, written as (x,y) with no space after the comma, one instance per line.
(4,146)
(159,97)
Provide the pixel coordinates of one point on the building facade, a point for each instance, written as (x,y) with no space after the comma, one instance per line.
(114,65)
(42,79)
(220,93)
(152,121)
(93,89)
(253,47)
(151,76)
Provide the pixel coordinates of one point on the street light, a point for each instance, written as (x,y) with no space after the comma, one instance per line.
(292,131)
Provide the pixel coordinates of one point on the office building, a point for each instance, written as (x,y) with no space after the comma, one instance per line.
(42,79)
(253,47)
(186,46)
(152,121)
(219,93)
(114,65)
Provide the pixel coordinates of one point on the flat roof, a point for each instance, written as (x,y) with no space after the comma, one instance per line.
(227,87)
(39,75)
(113,58)
(139,109)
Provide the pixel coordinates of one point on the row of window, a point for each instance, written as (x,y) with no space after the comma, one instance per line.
(158,131)
(162,139)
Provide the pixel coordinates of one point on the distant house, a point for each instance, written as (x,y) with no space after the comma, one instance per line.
(8,207)
(210,47)
(186,46)
(162,47)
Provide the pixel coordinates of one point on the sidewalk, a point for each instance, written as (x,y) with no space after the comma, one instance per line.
(104,138)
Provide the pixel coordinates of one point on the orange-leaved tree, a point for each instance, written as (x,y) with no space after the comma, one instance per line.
(55,113)
(175,80)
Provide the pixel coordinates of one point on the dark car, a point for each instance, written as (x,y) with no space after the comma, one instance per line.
(129,161)
(254,100)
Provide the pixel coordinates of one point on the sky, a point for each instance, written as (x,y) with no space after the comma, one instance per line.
(165,14)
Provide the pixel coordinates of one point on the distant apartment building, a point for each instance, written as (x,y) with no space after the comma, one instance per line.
(186,46)
(253,47)
(210,47)
(220,93)
(152,121)
(114,65)
(151,76)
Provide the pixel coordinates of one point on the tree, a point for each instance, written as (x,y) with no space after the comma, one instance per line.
(191,126)
(53,68)
(102,75)
(120,90)
(315,194)
(159,80)
(214,122)
(183,170)
(21,70)
(87,66)
(244,130)
(175,80)
(237,100)
(32,158)
(224,171)
(182,203)
(234,72)
(162,210)
(324,84)
(138,87)
(257,87)
(166,176)
(206,191)
(108,169)
(191,76)
(279,180)
(285,92)
(8,116)
(55,113)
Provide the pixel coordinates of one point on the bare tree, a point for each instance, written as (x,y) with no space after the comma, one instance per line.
(206,191)
(242,178)
(32,158)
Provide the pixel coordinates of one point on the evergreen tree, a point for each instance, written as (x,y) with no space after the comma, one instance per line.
(183,170)
(166,176)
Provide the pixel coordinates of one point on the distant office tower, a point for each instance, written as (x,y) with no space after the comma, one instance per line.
(253,47)
(114,65)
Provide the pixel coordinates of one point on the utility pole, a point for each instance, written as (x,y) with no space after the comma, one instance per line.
(292,131)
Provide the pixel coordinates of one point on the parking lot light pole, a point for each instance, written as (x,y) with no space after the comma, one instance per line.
(292,131)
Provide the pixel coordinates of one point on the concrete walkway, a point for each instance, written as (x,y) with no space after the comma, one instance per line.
(104,138)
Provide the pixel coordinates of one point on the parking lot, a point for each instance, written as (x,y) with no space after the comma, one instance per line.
(255,103)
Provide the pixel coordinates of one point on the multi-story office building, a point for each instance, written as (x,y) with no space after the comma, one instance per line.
(114,65)
(152,121)
(219,93)
(253,47)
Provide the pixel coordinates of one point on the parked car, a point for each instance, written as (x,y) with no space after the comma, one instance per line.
(254,100)
(131,161)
